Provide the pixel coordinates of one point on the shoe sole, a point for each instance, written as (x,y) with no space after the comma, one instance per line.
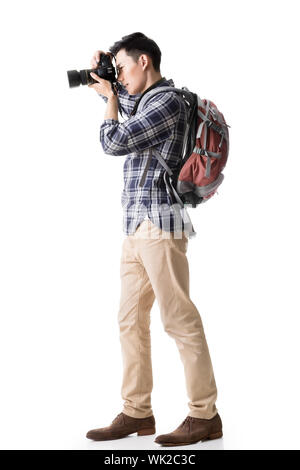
(210,437)
(141,432)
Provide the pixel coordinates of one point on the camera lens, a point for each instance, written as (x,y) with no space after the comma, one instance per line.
(74,78)
(80,78)
(86,79)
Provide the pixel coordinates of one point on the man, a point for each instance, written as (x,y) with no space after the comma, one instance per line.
(153,261)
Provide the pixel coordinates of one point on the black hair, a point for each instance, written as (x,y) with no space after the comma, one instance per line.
(136,44)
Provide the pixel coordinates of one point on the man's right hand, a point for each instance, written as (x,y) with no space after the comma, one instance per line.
(96,58)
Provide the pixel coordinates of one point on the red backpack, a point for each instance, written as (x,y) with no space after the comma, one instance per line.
(205,150)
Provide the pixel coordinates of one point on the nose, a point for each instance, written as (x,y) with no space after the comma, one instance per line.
(119,77)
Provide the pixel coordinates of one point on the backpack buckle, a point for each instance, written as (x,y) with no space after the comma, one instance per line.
(214,126)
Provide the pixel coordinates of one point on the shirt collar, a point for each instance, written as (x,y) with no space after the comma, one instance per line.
(169,82)
(161,82)
(164,82)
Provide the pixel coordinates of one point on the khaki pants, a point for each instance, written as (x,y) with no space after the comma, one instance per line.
(154,265)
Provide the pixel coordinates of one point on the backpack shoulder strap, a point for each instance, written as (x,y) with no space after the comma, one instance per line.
(183,92)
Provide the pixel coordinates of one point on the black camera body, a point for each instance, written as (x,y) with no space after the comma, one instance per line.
(105,70)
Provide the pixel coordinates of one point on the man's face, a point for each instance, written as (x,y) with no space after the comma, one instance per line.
(131,74)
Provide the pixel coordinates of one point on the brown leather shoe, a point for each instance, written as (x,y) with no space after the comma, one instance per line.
(192,430)
(122,426)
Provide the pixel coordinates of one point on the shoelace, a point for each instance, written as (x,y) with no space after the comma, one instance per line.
(186,424)
(117,419)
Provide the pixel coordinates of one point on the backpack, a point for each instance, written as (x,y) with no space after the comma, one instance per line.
(205,150)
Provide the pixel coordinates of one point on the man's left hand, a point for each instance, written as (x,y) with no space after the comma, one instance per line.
(103,86)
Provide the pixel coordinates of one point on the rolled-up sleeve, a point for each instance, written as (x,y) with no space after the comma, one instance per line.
(149,127)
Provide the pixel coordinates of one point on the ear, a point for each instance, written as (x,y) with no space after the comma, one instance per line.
(144,60)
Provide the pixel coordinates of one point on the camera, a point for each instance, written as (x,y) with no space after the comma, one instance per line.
(104,69)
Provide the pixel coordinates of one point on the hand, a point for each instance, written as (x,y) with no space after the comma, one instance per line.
(103,86)
(96,58)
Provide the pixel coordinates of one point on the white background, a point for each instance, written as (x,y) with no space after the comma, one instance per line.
(61,224)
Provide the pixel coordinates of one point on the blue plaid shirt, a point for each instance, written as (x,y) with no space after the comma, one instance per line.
(160,125)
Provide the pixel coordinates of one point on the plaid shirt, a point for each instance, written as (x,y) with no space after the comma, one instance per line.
(161,125)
